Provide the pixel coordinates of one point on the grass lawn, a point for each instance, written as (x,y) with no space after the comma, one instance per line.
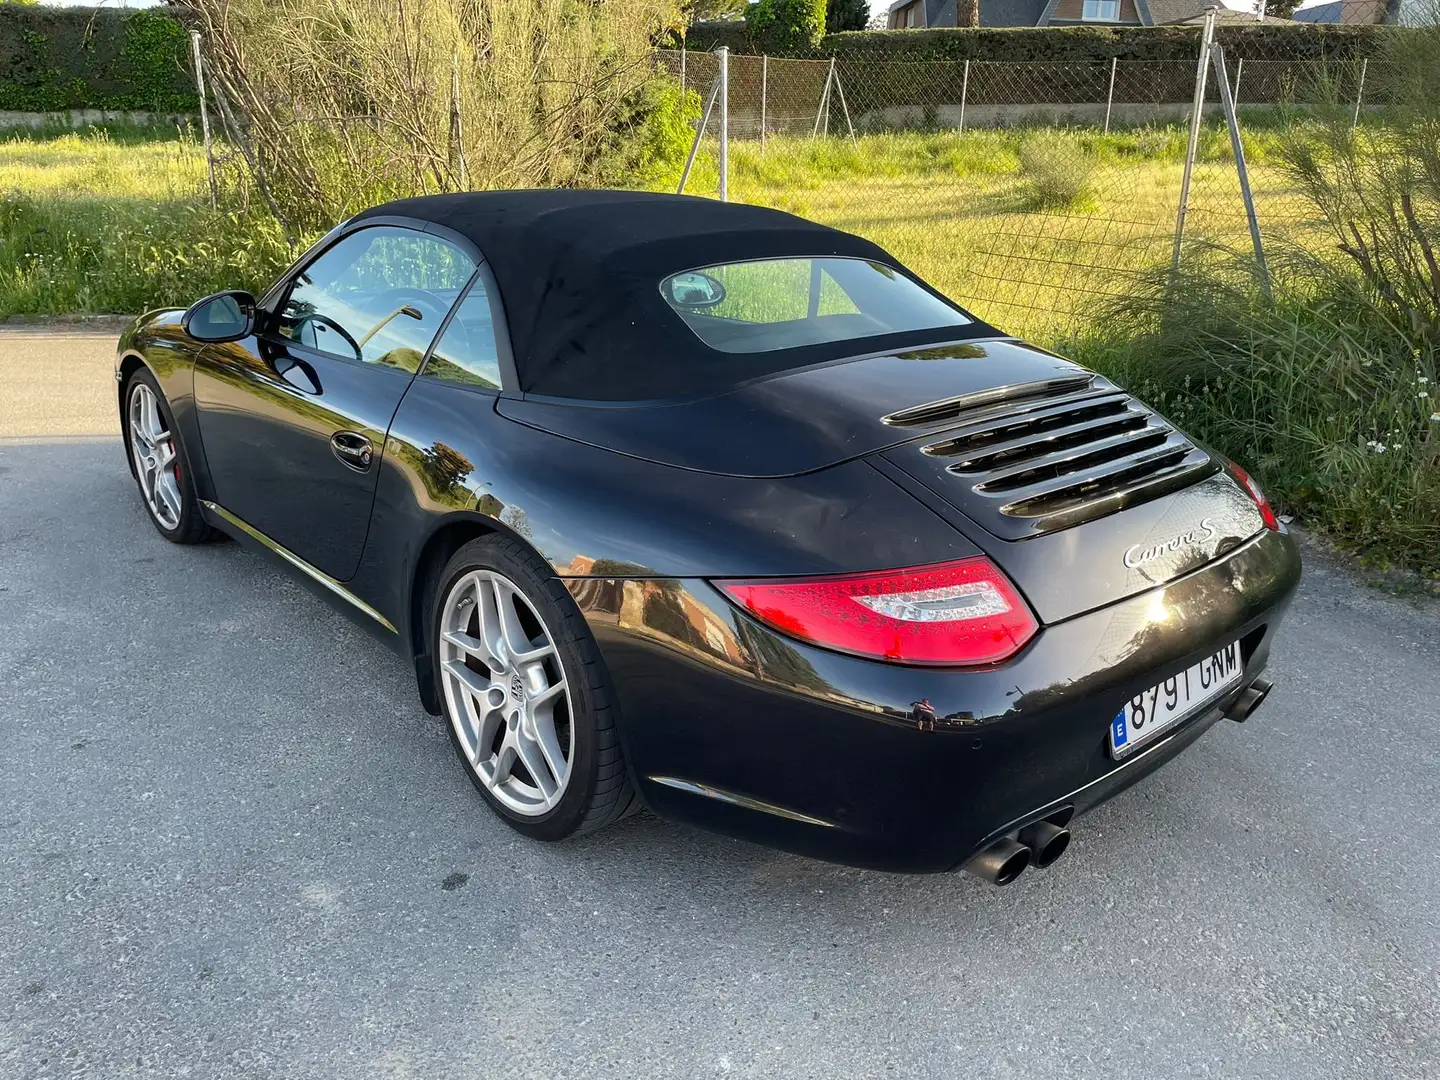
(968,211)
(119,221)
(1037,232)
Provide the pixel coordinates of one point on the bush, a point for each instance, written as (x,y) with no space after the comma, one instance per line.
(1057,173)
(1292,41)
(651,137)
(341,104)
(87,58)
(783,27)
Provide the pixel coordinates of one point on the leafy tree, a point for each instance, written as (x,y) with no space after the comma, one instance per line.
(1281,9)
(445,469)
(786,26)
(846,15)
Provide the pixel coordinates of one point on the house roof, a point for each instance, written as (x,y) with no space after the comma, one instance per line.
(1353,12)
(992,12)
(1227,17)
(1167,12)
(1010,12)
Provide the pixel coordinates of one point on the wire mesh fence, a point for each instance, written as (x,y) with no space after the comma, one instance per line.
(1032,192)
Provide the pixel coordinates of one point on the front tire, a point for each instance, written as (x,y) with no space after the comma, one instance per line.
(525,693)
(157,461)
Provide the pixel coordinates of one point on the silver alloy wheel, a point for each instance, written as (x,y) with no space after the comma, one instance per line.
(156,462)
(505,692)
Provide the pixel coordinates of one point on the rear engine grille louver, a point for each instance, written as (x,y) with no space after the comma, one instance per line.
(1046,455)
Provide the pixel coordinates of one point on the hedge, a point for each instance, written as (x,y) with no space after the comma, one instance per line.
(56,59)
(1263,41)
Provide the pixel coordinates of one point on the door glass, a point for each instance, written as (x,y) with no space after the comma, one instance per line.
(466,353)
(378,295)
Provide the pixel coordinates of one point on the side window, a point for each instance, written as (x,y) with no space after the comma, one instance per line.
(378,295)
(467,352)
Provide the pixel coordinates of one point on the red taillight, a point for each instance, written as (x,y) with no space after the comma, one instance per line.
(1253,490)
(963,612)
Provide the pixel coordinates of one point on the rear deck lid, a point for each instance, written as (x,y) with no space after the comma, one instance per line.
(800,421)
(1082,493)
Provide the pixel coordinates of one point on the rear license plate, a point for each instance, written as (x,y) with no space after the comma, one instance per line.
(1181,696)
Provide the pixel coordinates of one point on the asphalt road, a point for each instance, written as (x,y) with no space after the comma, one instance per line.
(232,844)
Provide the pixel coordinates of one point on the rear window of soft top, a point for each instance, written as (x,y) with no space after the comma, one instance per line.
(770,304)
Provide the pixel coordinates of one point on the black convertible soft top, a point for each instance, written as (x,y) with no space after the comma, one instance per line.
(579,275)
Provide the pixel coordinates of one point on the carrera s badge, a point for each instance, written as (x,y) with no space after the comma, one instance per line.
(1137,555)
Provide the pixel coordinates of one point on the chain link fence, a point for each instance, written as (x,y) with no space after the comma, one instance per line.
(1032,192)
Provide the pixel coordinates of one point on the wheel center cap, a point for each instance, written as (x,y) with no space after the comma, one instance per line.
(517,687)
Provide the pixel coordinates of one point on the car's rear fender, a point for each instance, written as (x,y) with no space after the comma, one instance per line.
(732,726)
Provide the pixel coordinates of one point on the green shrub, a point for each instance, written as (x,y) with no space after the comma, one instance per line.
(1297,41)
(651,137)
(1058,172)
(786,26)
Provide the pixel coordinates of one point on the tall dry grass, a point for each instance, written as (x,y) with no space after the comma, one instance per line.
(339,104)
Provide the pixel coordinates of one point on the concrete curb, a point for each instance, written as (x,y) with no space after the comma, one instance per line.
(66,324)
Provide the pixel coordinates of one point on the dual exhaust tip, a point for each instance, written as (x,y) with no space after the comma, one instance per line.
(1005,860)
(1042,842)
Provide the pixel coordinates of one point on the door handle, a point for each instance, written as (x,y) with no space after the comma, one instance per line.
(353,450)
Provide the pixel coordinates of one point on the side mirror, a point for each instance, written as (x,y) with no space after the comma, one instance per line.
(226,316)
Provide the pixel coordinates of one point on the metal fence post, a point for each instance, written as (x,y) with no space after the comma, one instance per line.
(1207,38)
(682,69)
(204,116)
(764,87)
(699,134)
(1235,86)
(1360,93)
(724,53)
(1110,95)
(844,108)
(964,93)
(822,114)
(1217,54)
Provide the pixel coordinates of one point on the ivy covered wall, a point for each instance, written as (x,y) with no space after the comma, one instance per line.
(54,59)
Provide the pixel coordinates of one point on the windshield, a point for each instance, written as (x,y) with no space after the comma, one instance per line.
(770,304)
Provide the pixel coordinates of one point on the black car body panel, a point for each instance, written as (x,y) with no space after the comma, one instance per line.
(906,457)
(903,768)
(796,422)
(273,411)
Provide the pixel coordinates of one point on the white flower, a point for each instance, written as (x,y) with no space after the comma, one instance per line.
(1435,417)
(1423,380)
(1422,395)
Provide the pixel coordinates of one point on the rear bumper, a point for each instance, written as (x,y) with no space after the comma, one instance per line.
(733,728)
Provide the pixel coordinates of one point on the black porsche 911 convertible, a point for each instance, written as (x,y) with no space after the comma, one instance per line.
(708,508)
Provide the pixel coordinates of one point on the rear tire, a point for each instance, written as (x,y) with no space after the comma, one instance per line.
(158,463)
(525,693)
